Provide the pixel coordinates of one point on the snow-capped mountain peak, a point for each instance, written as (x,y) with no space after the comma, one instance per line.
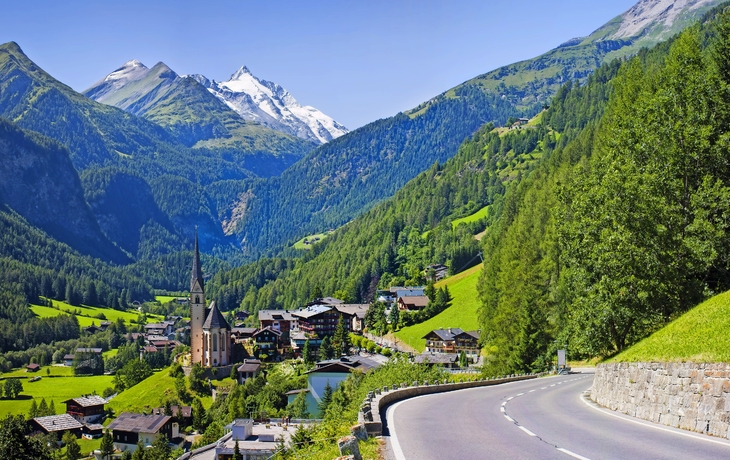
(271,105)
(647,13)
(130,71)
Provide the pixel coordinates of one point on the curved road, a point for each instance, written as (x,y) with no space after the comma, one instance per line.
(545,418)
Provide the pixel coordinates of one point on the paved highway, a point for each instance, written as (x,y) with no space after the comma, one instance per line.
(545,418)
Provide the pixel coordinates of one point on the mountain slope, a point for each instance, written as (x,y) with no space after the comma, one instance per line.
(189,110)
(347,176)
(270,104)
(645,24)
(40,183)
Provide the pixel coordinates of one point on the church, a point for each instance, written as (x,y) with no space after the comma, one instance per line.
(210,333)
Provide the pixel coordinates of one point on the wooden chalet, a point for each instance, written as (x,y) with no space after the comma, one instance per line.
(86,409)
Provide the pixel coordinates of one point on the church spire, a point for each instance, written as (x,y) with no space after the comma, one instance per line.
(197,274)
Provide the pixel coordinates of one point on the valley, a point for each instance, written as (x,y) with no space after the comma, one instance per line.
(575,201)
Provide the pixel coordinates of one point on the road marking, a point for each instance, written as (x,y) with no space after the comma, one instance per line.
(572,454)
(543,388)
(397,451)
(627,418)
(531,391)
(510,398)
(520,394)
(509,418)
(530,433)
(552,385)
(502,409)
(504,403)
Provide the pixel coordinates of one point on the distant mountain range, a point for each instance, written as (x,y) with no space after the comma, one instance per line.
(191,158)
(156,94)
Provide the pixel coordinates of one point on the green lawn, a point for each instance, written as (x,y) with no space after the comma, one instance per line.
(482,213)
(56,371)
(88,315)
(56,389)
(462,313)
(700,335)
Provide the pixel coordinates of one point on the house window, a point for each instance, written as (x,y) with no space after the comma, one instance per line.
(215,342)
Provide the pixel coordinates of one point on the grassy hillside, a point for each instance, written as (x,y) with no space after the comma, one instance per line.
(147,394)
(86,314)
(462,313)
(700,335)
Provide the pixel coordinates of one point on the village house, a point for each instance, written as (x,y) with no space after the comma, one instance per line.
(86,409)
(129,428)
(248,370)
(181,414)
(267,340)
(243,334)
(412,303)
(453,340)
(56,424)
(255,442)
(435,272)
(446,360)
(33,367)
(333,371)
(318,319)
(355,315)
(278,320)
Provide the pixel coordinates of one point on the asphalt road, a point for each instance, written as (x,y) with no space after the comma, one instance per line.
(545,418)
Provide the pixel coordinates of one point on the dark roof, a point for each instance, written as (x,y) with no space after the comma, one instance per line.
(353,309)
(244,330)
(65,357)
(250,365)
(215,319)
(267,328)
(33,367)
(197,274)
(415,300)
(87,401)
(150,349)
(445,334)
(60,422)
(345,364)
(139,423)
(275,315)
(475,334)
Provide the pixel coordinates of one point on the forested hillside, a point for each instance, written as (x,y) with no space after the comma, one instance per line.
(626,226)
(349,175)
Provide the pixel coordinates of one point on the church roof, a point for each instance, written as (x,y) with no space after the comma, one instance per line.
(215,319)
(197,274)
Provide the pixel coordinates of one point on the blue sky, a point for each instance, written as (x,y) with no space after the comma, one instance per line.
(355,61)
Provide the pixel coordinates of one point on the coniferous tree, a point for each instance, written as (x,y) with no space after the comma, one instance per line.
(325,349)
(73,451)
(307,352)
(326,399)
(107,445)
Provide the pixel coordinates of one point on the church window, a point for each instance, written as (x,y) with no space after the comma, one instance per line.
(215,342)
(223,342)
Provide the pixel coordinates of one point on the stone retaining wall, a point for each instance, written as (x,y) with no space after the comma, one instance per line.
(690,396)
(378,400)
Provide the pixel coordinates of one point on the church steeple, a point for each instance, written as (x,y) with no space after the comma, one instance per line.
(197,274)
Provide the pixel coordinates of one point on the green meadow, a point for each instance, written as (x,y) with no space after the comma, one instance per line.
(700,335)
(58,388)
(149,393)
(481,214)
(462,313)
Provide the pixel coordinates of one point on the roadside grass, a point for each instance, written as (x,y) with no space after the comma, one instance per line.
(462,313)
(481,214)
(88,315)
(56,389)
(699,335)
(149,393)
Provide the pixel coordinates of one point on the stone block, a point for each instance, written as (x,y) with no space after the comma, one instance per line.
(359,432)
(349,445)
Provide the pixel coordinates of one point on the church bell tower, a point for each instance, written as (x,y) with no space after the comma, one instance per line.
(197,307)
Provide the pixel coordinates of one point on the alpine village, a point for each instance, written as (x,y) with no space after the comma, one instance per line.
(187,273)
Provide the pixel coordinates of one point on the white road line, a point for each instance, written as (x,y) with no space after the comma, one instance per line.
(531,391)
(520,394)
(543,388)
(510,398)
(572,454)
(552,385)
(501,409)
(397,451)
(504,403)
(627,418)
(509,418)
(530,433)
